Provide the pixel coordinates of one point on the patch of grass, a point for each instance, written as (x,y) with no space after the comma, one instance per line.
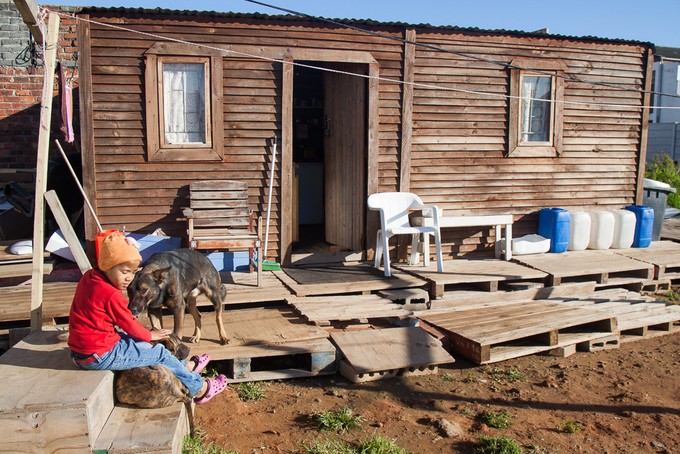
(339,421)
(570,427)
(378,444)
(498,419)
(672,296)
(470,377)
(501,375)
(197,445)
(327,446)
(447,377)
(250,391)
(497,445)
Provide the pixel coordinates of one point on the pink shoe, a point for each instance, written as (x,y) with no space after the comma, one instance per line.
(200,361)
(215,386)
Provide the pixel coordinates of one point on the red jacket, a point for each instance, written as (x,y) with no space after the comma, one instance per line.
(97,307)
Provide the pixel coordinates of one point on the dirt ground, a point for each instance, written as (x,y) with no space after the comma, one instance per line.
(627,401)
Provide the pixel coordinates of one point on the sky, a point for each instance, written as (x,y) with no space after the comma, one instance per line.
(655,21)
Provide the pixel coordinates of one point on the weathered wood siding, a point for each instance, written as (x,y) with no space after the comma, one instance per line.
(142,195)
(459,138)
(455,150)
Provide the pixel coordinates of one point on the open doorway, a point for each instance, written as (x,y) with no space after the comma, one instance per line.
(329,161)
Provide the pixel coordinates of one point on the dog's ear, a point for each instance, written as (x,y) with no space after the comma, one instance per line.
(161,275)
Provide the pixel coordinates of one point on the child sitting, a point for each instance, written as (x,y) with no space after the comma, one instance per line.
(104,335)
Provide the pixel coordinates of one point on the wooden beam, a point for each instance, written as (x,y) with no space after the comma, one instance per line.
(29,12)
(372,185)
(642,152)
(286,214)
(41,172)
(407,112)
(68,232)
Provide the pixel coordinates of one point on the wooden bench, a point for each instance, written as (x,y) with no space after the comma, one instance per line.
(47,405)
(499,221)
(219,218)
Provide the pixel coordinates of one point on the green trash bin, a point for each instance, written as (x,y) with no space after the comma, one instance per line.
(655,195)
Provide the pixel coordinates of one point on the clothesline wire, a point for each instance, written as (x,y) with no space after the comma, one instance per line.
(365,76)
(460,54)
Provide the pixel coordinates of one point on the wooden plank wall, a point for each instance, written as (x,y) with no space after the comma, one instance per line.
(143,195)
(458,140)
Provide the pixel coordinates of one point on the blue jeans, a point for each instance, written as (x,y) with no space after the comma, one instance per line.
(129,353)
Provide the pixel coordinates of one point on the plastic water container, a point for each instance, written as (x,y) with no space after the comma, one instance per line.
(579,231)
(644,224)
(601,229)
(554,224)
(530,244)
(624,229)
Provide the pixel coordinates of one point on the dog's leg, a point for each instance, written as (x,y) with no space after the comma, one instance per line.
(155,317)
(218,296)
(177,305)
(191,304)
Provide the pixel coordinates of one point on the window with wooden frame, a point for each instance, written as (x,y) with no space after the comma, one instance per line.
(183,103)
(536,94)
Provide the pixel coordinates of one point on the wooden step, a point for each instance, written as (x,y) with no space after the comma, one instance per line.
(158,430)
(46,402)
(324,310)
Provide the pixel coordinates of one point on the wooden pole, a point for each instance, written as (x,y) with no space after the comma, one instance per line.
(68,232)
(50,59)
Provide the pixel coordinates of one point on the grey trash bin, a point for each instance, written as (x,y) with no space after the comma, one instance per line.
(655,195)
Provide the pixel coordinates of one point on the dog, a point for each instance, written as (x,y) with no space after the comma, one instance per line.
(175,279)
(155,386)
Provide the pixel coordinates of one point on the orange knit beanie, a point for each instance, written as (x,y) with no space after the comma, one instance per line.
(116,249)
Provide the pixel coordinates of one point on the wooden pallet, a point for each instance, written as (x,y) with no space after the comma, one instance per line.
(326,310)
(462,273)
(663,255)
(265,344)
(637,318)
(375,354)
(605,267)
(371,283)
(495,333)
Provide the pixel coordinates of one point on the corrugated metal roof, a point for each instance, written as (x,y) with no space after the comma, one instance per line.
(356,23)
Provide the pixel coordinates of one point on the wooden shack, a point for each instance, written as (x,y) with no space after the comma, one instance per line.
(448,113)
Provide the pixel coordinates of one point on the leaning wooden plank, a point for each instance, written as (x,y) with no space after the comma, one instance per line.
(50,54)
(69,234)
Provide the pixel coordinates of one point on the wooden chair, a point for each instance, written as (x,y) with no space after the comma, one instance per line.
(218,218)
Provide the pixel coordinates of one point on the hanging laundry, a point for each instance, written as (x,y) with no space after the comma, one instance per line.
(66,106)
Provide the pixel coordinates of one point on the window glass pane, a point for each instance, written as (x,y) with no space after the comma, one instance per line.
(184,103)
(536,113)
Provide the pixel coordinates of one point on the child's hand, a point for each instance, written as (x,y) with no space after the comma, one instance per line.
(160,334)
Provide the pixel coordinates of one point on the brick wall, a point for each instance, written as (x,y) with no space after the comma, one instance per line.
(21,82)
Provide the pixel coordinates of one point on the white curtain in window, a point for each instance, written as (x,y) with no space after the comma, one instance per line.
(535,112)
(184,102)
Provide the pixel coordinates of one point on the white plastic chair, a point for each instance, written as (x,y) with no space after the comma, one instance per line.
(394,209)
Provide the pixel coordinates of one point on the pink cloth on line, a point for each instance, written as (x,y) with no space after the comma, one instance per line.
(66,106)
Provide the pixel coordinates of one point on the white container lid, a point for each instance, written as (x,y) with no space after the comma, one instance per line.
(653,184)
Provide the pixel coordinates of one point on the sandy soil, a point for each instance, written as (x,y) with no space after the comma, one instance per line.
(627,401)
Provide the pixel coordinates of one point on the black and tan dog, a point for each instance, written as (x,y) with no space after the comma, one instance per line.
(153,386)
(174,279)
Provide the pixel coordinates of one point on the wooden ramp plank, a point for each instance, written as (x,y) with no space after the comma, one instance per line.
(485,273)
(664,255)
(389,350)
(599,265)
(323,310)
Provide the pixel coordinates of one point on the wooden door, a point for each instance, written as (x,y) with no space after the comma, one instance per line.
(345,162)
